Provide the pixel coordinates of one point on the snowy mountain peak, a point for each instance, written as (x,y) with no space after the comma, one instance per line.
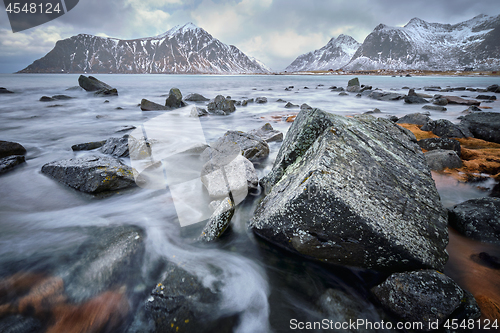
(184,28)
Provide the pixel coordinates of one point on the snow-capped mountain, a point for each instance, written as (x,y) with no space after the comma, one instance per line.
(334,55)
(434,46)
(182,49)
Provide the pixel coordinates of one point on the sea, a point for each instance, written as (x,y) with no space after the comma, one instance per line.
(267,286)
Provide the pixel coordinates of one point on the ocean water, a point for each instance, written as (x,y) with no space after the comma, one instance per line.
(267,286)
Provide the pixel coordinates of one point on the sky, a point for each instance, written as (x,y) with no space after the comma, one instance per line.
(273,31)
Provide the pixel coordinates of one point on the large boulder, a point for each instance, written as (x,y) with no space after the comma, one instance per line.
(440,159)
(461,101)
(174,99)
(91,174)
(8,148)
(353,191)
(425,296)
(484,125)
(147,105)
(252,146)
(353,85)
(10,162)
(414,118)
(446,129)
(415,100)
(116,147)
(267,133)
(478,219)
(440,143)
(90,83)
(221,105)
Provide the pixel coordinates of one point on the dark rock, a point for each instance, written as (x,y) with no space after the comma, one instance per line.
(385,96)
(461,101)
(440,143)
(471,109)
(62,97)
(244,103)
(446,129)
(291,105)
(20,324)
(440,159)
(111,257)
(393,118)
(91,174)
(8,148)
(124,129)
(353,82)
(10,162)
(373,111)
(252,147)
(220,105)
(408,75)
(440,101)
(304,106)
(494,88)
(46,99)
(415,100)
(107,92)
(421,296)
(118,108)
(261,100)
(406,88)
(338,89)
(219,221)
(471,89)
(196,98)
(198,112)
(181,303)
(5,91)
(174,99)
(414,118)
(484,125)
(349,191)
(411,92)
(116,147)
(267,133)
(90,83)
(459,88)
(88,145)
(432,88)
(487,97)
(434,108)
(280,100)
(478,219)
(486,259)
(151,106)
(343,94)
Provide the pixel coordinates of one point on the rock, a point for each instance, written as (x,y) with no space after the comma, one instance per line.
(261,100)
(290,105)
(304,106)
(365,88)
(220,105)
(280,100)
(116,147)
(486,259)
(484,125)
(91,174)
(107,92)
(414,118)
(343,94)
(446,129)
(181,303)
(196,98)
(337,89)
(219,221)
(421,296)
(432,88)
(493,88)
(46,99)
(385,96)
(461,101)
(471,109)
(441,101)
(267,133)
(8,148)
(124,128)
(88,145)
(198,112)
(411,92)
(487,97)
(111,257)
(415,100)
(349,191)
(174,99)
(20,324)
(440,143)
(90,83)
(393,118)
(5,91)
(353,82)
(439,159)
(376,110)
(10,162)
(62,97)
(434,108)
(478,219)
(147,105)
(252,147)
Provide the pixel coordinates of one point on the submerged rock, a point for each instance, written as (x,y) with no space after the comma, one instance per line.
(5,91)
(91,174)
(151,106)
(423,296)
(8,148)
(434,108)
(352,191)
(478,219)
(221,105)
(461,101)
(10,162)
(440,101)
(291,105)
(484,125)
(440,159)
(385,96)
(415,100)
(88,145)
(267,133)
(196,98)
(174,99)
(261,100)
